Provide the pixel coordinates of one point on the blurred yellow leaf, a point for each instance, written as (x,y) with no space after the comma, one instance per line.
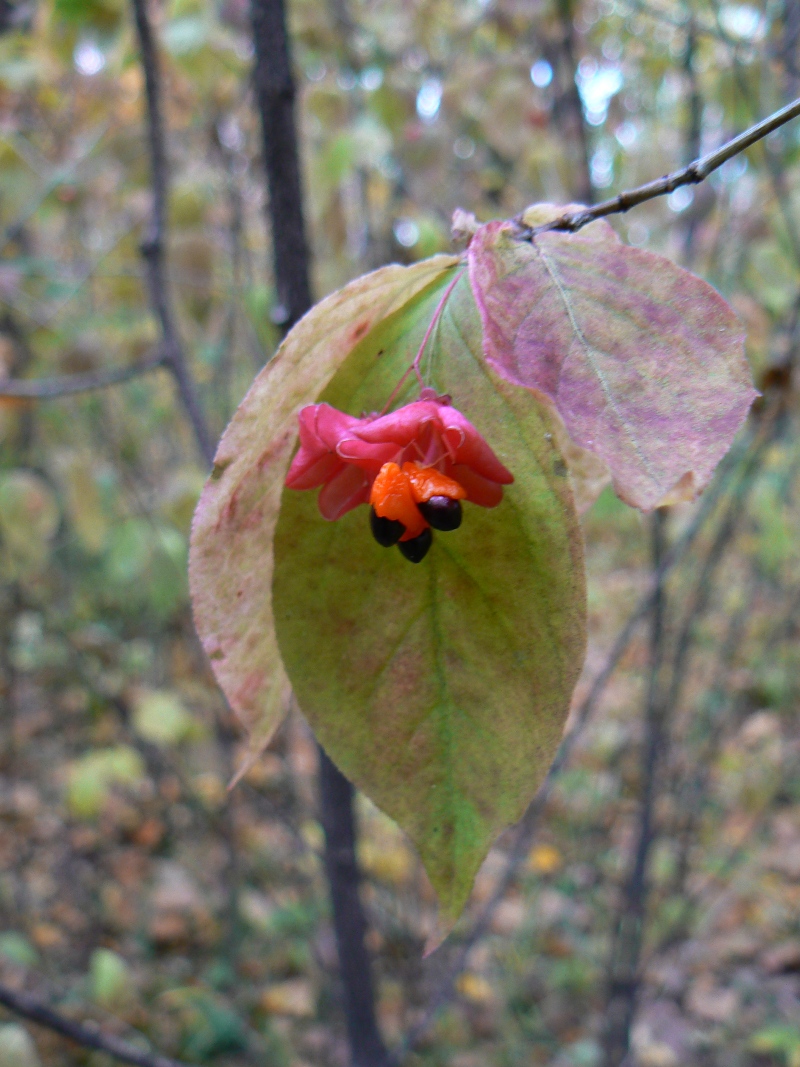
(475,988)
(388,862)
(295,997)
(544,859)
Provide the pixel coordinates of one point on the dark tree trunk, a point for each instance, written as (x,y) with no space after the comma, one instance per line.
(341,866)
(276,94)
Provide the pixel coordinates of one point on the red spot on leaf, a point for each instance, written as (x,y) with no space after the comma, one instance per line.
(245,693)
(359,330)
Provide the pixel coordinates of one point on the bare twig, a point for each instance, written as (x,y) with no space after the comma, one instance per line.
(58,175)
(715,32)
(70,384)
(774,164)
(690,793)
(694,173)
(692,797)
(28,1007)
(153,244)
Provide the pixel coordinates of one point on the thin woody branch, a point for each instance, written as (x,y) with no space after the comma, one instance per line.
(692,174)
(155,239)
(70,384)
(29,1007)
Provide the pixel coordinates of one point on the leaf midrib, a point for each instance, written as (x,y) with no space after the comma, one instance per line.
(589,350)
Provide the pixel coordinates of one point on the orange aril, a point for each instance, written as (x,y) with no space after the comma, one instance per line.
(427,482)
(392,498)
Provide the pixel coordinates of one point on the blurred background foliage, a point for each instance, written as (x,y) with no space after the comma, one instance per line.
(131,881)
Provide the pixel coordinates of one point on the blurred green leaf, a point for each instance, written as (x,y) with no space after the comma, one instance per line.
(782,1040)
(110,980)
(91,777)
(160,717)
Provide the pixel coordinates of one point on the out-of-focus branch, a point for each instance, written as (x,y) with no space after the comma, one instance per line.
(572,103)
(715,31)
(28,1007)
(344,878)
(624,976)
(789,44)
(70,384)
(690,793)
(772,154)
(51,179)
(693,174)
(694,130)
(153,245)
(275,92)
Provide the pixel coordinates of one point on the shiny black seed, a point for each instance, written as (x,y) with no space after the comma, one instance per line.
(442,512)
(387,532)
(416,549)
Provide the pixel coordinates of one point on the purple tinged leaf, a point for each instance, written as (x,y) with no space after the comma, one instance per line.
(643,361)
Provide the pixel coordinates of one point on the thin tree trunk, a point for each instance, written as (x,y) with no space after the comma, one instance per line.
(341,866)
(275,93)
(624,964)
(571,105)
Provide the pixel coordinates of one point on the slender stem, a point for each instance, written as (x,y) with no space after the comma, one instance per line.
(28,1007)
(415,366)
(69,384)
(692,174)
(432,324)
(154,243)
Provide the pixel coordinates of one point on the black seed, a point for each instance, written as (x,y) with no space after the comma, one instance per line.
(416,549)
(387,532)
(442,512)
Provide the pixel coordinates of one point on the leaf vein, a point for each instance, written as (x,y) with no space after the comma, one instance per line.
(589,350)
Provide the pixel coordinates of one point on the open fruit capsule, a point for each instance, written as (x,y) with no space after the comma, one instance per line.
(414,466)
(407,501)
